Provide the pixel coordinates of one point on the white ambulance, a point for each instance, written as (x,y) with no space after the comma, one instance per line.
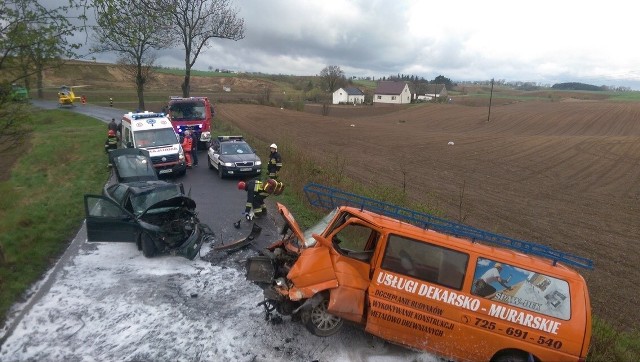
(154,133)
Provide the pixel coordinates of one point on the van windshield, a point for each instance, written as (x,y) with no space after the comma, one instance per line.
(156,137)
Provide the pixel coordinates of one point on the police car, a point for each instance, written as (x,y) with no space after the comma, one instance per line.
(232,156)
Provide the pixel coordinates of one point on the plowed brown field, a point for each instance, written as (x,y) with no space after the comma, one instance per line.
(562,174)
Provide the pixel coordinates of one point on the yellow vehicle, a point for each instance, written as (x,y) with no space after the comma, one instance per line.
(66,96)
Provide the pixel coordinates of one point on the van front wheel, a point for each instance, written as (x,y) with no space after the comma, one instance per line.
(318,321)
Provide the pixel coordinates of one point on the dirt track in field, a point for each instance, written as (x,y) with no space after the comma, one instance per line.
(562,174)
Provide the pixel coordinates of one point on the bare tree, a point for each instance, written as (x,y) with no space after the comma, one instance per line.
(30,32)
(133,31)
(332,76)
(199,21)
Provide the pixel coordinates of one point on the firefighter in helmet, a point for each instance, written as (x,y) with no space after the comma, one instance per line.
(275,162)
(257,192)
(111,143)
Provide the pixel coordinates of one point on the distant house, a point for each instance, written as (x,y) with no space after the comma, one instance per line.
(392,92)
(349,95)
(431,91)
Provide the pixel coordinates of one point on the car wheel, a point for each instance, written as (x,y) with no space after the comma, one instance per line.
(148,246)
(209,161)
(220,172)
(319,322)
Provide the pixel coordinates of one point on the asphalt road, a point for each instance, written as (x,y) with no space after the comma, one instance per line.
(219,202)
(107,302)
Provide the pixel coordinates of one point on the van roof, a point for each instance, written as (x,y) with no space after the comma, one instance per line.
(147,120)
(329,198)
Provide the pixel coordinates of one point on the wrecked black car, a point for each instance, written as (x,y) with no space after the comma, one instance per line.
(135,206)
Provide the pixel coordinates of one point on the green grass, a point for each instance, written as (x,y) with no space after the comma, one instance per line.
(65,160)
(43,197)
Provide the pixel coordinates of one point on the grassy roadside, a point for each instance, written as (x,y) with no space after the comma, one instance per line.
(41,207)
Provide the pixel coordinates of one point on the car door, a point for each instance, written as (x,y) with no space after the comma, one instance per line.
(107,221)
(354,245)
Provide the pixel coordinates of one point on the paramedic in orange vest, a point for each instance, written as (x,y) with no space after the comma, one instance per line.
(187,144)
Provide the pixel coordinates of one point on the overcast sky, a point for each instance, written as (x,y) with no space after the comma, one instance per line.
(540,41)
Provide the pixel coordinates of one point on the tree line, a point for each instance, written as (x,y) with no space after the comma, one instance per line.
(34,37)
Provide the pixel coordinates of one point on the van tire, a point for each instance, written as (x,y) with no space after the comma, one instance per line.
(319,322)
(148,246)
(513,356)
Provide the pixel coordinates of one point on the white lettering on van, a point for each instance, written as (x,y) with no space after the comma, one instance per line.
(524,319)
(428,291)
(449,297)
(397,282)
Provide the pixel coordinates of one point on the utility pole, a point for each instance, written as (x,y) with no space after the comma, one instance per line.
(490,98)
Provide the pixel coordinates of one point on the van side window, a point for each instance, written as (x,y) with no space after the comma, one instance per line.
(356,241)
(521,288)
(425,261)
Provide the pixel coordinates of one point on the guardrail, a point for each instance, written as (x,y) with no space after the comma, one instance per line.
(329,198)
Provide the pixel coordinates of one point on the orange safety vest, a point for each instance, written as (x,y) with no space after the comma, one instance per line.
(186,144)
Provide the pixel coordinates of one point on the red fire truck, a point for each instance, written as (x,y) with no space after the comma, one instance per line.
(194,113)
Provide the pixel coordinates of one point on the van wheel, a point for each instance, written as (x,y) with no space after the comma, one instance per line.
(319,322)
(148,246)
(513,356)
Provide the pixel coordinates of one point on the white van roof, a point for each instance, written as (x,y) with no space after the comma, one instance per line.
(146,120)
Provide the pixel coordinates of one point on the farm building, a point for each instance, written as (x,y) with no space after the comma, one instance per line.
(392,92)
(348,95)
(431,91)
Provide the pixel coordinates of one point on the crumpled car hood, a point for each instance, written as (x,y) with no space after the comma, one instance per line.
(288,218)
(174,202)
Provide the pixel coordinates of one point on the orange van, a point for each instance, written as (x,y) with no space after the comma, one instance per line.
(426,283)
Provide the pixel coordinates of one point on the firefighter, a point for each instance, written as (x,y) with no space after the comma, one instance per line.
(111,143)
(275,162)
(257,191)
(187,145)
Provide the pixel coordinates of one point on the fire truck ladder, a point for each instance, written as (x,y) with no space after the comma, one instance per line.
(330,198)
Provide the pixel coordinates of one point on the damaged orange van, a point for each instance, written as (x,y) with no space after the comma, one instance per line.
(425,283)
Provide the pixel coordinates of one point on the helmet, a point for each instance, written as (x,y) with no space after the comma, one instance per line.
(497,265)
(273,145)
(112,133)
(241,185)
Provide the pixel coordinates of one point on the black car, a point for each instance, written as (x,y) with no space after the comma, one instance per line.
(232,156)
(135,206)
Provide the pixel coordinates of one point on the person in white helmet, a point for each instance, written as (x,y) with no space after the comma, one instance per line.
(275,162)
